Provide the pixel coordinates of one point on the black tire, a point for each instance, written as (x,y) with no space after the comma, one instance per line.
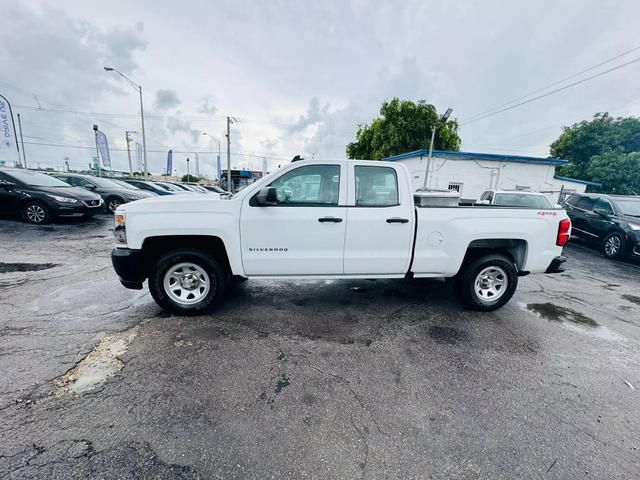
(494,264)
(36,212)
(111,202)
(614,246)
(217,276)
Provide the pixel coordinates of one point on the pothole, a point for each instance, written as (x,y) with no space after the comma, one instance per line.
(25,267)
(102,363)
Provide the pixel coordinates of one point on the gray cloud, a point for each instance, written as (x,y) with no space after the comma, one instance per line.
(166,99)
(207,107)
(176,124)
(314,115)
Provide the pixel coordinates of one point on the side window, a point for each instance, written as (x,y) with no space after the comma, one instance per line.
(376,186)
(585,203)
(604,205)
(490,197)
(310,185)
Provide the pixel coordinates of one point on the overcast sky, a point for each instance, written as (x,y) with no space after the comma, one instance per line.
(301,75)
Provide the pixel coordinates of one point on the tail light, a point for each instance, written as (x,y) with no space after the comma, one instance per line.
(564,230)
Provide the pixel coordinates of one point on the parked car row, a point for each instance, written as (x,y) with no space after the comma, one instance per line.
(40,197)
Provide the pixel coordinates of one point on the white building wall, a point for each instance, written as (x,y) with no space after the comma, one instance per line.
(476,176)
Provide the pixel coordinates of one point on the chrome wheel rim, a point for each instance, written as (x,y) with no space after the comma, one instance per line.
(36,213)
(490,284)
(612,245)
(187,283)
(113,204)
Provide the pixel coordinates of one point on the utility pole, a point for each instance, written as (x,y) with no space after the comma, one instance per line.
(24,155)
(197,165)
(443,120)
(95,131)
(188,176)
(127,132)
(229,186)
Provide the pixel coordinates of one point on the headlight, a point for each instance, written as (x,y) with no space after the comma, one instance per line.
(634,226)
(63,199)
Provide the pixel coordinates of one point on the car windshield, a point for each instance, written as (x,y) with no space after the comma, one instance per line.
(629,206)
(124,184)
(103,182)
(521,200)
(168,187)
(36,179)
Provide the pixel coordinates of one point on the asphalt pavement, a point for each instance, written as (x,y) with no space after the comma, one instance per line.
(315,379)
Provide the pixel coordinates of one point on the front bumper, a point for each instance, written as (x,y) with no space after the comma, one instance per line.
(556,265)
(77,209)
(129,266)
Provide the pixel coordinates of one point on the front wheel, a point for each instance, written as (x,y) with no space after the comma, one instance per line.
(613,245)
(36,213)
(187,282)
(487,283)
(113,203)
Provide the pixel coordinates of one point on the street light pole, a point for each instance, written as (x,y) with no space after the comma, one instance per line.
(188,176)
(144,137)
(427,171)
(229,188)
(127,132)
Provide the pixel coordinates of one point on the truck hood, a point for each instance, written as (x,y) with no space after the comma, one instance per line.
(173,203)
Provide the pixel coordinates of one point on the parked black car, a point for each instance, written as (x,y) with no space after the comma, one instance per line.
(146,185)
(37,197)
(612,221)
(112,194)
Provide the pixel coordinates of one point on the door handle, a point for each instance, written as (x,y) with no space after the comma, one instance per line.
(397,220)
(330,219)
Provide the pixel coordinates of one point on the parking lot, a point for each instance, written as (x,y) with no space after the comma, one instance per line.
(315,379)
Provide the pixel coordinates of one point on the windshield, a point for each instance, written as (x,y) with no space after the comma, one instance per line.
(103,182)
(521,200)
(629,206)
(36,179)
(124,184)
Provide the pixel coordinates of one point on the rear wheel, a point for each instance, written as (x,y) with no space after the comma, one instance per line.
(613,245)
(187,282)
(36,213)
(487,283)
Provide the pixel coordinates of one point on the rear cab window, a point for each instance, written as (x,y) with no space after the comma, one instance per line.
(376,186)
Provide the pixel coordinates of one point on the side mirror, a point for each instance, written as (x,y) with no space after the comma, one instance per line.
(8,186)
(601,211)
(267,196)
(90,187)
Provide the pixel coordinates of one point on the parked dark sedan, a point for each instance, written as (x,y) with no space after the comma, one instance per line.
(38,198)
(612,221)
(146,185)
(112,194)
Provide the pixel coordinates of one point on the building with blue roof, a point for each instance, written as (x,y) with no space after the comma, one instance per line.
(472,173)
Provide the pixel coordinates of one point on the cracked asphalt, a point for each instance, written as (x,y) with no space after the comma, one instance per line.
(317,379)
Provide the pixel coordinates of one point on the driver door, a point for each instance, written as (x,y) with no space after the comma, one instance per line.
(303,234)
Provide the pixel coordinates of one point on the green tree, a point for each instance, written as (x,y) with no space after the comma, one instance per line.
(403,126)
(597,149)
(619,172)
(190,178)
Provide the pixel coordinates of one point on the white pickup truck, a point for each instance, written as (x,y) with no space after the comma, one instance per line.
(329,220)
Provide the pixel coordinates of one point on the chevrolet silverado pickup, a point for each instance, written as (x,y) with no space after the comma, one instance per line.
(347,219)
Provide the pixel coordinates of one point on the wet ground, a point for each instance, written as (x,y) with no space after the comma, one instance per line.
(325,379)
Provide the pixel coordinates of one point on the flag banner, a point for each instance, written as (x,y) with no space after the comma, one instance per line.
(103,147)
(139,164)
(219,168)
(169,162)
(8,139)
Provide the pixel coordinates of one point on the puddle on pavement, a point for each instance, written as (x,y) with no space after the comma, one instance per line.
(572,320)
(631,298)
(25,267)
(102,363)
(556,313)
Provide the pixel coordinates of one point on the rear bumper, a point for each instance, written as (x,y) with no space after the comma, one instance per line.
(129,266)
(556,265)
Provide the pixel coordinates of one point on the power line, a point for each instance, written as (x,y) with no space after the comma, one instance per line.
(555,83)
(552,91)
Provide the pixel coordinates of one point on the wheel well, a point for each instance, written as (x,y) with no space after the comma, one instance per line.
(153,247)
(514,249)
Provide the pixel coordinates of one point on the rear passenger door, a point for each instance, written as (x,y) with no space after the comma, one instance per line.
(599,220)
(580,212)
(380,221)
